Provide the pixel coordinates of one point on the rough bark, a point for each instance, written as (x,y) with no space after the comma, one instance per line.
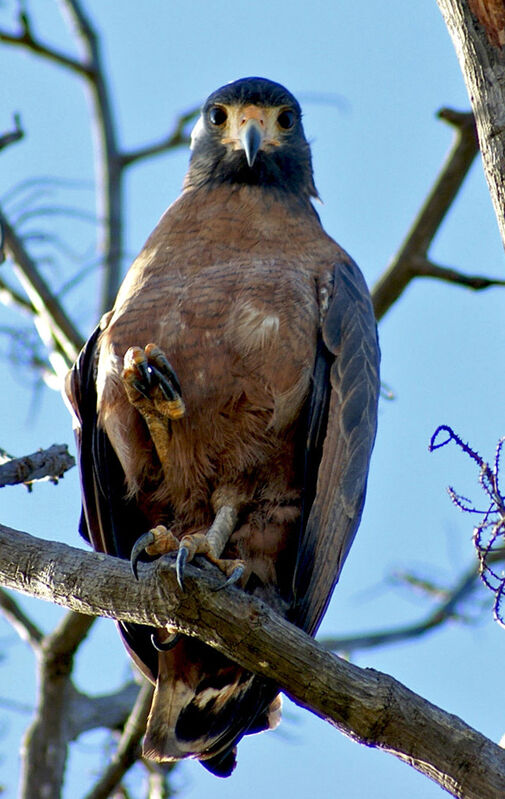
(370,707)
(45,464)
(477,31)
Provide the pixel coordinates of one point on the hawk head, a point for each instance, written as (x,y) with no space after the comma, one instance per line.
(250,132)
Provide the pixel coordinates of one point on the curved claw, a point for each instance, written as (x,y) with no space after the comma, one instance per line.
(234,577)
(180,565)
(165,646)
(137,550)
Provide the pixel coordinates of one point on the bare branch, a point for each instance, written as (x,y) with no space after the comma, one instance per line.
(24,626)
(26,38)
(444,611)
(14,135)
(369,706)
(109,711)
(109,160)
(60,334)
(426,268)
(68,635)
(176,138)
(128,750)
(404,266)
(11,297)
(45,464)
(45,745)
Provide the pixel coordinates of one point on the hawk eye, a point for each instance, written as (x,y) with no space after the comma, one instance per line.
(286,119)
(217,115)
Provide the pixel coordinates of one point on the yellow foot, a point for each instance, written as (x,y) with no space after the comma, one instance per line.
(201,544)
(160,541)
(151,383)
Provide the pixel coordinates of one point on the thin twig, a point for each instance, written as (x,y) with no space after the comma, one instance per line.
(26,38)
(176,138)
(435,618)
(11,297)
(14,135)
(426,268)
(443,612)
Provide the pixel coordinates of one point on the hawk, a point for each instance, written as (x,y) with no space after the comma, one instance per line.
(226,409)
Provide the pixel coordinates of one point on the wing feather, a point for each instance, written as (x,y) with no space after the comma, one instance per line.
(342,423)
(109,520)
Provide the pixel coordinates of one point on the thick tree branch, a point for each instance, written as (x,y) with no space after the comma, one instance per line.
(369,706)
(414,249)
(44,464)
(45,745)
(478,45)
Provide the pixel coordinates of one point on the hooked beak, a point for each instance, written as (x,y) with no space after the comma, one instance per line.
(251,137)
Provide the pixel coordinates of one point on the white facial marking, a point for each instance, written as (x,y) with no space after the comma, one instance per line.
(197,131)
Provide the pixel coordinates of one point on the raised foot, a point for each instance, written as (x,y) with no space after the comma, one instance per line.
(151,383)
(160,541)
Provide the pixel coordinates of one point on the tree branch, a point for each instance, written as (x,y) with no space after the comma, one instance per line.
(14,135)
(128,748)
(108,711)
(26,38)
(444,611)
(24,626)
(176,138)
(109,160)
(49,463)
(477,34)
(45,745)
(57,331)
(426,268)
(369,706)
(414,249)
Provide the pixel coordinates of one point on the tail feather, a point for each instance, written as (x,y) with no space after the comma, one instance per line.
(203,705)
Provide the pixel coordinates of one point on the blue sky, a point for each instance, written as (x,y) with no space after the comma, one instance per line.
(370,77)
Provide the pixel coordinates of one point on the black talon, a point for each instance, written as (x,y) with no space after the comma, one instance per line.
(233,578)
(137,550)
(165,370)
(165,646)
(180,565)
(165,385)
(143,385)
(141,388)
